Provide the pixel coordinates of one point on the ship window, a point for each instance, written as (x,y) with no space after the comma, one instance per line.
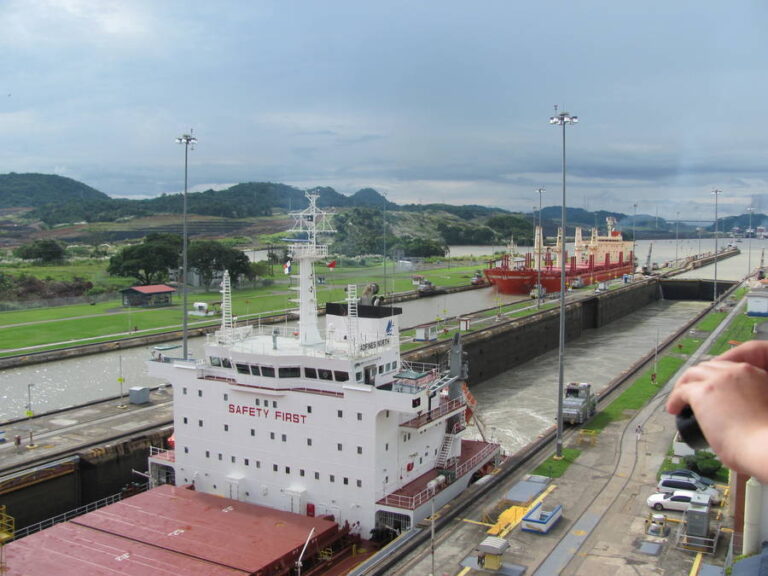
(268,371)
(381,369)
(246,461)
(317,475)
(309,441)
(359,483)
(346,481)
(186,449)
(359,376)
(310,373)
(185,419)
(386,447)
(338,447)
(258,463)
(274,403)
(325,374)
(226,427)
(340,413)
(226,397)
(255,370)
(284,438)
(220,456)
(289,372)
(243,368)
(233,459)
(258,402)
(394,364)
(271,435)
(359,449)
(287,469)
(225,362)
(200,423)
(333,478)
(200,393)
(215,361)
(415,402)
(386,414)
(340,376)
(207,453)
(274,467)
(184,390)
(309,409)
(253,432)
(301,473)
(359,415)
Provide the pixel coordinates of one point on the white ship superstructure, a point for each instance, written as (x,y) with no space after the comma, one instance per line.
(339,426)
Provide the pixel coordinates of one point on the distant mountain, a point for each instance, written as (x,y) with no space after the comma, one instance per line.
(35,190)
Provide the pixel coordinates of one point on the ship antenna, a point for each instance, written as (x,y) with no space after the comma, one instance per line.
(308,225)
(227,323)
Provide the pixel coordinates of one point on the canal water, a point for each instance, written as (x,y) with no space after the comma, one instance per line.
(522,395)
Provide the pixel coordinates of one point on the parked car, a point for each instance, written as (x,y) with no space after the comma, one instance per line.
(669,485)
(685,473)
(677,500)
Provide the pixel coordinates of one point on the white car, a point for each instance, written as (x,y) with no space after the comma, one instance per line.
(670,485)
(677,500)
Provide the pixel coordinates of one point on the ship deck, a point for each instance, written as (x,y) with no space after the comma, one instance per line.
(416,493)
(171,530)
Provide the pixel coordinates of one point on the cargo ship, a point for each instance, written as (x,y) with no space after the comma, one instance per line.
(335,425)
(600,259)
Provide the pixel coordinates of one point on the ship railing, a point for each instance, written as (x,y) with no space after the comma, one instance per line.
(66,516)
(481,456)
(443,409)
(407,502)
(420,367)
(162,453)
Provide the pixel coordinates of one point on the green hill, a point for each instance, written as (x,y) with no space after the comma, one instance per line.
(35,190)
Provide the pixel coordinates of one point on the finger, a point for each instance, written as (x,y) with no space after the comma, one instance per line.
(753,352)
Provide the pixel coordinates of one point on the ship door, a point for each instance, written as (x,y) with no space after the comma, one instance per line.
(370,375)
(233,486)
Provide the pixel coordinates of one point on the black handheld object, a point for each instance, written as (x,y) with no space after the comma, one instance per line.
(689,429)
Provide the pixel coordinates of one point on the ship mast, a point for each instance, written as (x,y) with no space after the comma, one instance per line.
(305,249)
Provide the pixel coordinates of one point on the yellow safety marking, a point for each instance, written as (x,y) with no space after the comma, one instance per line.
(513,515)
(579,532)
(468,521)
(696,565)
(466,569)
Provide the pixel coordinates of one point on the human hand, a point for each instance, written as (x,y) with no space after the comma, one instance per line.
(730,401)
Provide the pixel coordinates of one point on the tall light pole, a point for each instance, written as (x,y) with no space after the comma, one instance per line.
(432,487)
(677,233)
(30,413)
(717,193)
(188,140)
(749,243)
(561,119)
(538,253)
(634,224)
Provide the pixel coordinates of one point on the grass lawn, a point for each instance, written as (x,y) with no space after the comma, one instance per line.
(556,468)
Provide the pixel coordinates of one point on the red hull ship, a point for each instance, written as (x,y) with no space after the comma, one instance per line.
(602,258)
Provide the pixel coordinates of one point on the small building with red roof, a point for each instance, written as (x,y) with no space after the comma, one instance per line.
(148,296)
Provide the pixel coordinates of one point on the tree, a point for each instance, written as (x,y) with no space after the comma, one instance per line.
(148,262)
(46,251)
(208,257)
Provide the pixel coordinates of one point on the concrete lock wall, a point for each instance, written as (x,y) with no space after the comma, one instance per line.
(497,349)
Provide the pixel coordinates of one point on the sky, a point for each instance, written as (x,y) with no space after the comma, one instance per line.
(429,101)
